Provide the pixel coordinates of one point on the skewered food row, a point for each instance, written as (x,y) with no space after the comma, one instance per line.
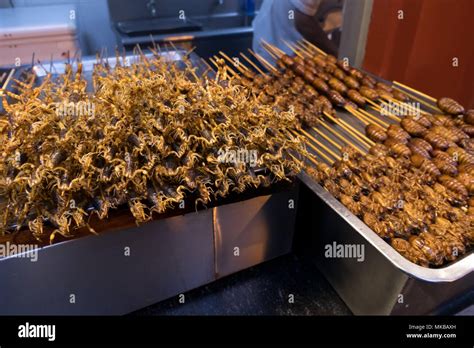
(438,149)
(427,146)
(157,135)
(287,92)
(419,218)
(338,80)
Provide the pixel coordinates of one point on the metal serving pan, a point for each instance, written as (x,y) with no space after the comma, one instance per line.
(376,285)
(118,272)
(166,257)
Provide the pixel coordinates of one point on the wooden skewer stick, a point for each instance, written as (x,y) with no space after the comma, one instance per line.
(207,64)
(307,155)
(227,68)
(9,77)
(343,139)
(372,121)
(217,67)
(357,115)
(377,108)
(336,145)
(368,117)
(295,51)
(415,91)
(428,105)
(310,157)
(322,154)
(320,51)
(310,49)
(263,61)
(270,52)
(362,136)
(274,48)
(238,66)
(351,131)
(401,104)
(303,49)
(374,118)
(255,66)
(328,150)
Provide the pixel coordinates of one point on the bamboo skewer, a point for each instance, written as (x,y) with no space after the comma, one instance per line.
(428,105)
(208,66)
(369,118)
(320,51)
(263,61)
(274,48)
(343,139)
(362,137)
(350,132)
(237,66)
(295,51)
(217,67)
(322,154)
(415,91)
(270,52)
(255,66)
(374,118)
(331,141)
(329,151)
(310,157)
(228,68)
(402,104)
(378,108)
(9,77)
(303,49)
(357,115)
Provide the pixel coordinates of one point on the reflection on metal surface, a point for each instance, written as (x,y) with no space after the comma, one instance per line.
(179,38)
(167,257)
(261,228)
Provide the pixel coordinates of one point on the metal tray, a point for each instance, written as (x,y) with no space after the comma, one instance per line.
(167,257)
(385,282)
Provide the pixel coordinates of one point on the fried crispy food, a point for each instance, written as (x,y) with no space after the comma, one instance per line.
(155,135)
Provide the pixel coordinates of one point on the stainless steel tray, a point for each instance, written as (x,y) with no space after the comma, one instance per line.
(385,282)
(450,273)
(167,257)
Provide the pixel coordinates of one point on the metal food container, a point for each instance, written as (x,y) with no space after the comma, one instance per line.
(132,267)
(385,282)
(121,271)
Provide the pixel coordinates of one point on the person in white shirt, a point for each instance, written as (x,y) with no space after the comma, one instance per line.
(290,20)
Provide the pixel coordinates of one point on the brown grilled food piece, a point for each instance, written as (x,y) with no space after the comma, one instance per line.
(356,97)
(450,106)
(445,167)
(425,165)
(469,117)
(336,98)
(437,141)
(397,148)
(412,127)
(369,93)
(375,133)
(468,181)
(453,185)
(396,132)
(337,85)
